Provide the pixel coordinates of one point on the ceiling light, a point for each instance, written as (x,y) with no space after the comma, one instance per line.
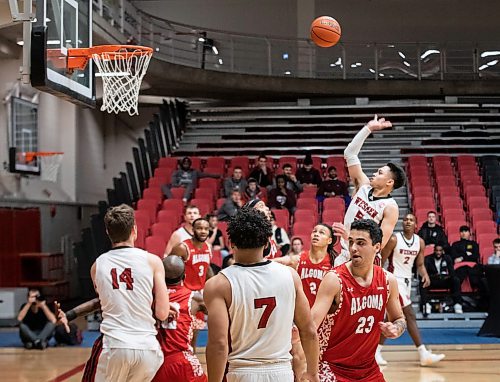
(490,53)
(406,63)
(201,39)
(220,61)
(288,72)
(381,74)
(285,56)
(332,65)
(371,70)
(20,43)
(354,66)
(339,61)
(482,67)
(427,53)
(401,54)
(215,50)
(358,64)
(492,63)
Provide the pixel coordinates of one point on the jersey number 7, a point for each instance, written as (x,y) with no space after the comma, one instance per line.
(270,304)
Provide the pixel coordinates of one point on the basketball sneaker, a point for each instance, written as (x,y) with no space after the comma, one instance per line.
(458,308)
(378,357)
(428,358)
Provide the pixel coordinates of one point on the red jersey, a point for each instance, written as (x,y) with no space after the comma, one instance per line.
(197,265)
(348,338)
(271,252)
(312,274)
(180,364)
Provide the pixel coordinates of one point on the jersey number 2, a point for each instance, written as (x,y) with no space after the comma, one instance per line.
(125,277)
(270,304)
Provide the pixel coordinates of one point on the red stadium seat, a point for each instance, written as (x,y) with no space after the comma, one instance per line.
(195,163)
(306,215)
(318,163)
(209,183)
(336,161)
(155,182)
(453,214)
(219,203)
(282,218)
(303,228)
(480,214)
(309,192)
(474,190)
(164,174)
(453,237)
(466,159)
(453,226)
(451,202)
(168,162)
(216,162)
(215,170)
(153,193)
(242,162)
(168,216)
(149,206)
(205,193)
(334,204)
(485,251)
(142,220)
(206,206)
(417,159)
(175,207)
(444,190)
(441,159)
(307,203)
(485,227)
(163,229)
(290,160)
(156,245)
(477,202)
(424,203)
(419,192)
(223,228)
(332,216)
(177,192)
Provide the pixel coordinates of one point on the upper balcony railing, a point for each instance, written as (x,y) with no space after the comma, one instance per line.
(270,56)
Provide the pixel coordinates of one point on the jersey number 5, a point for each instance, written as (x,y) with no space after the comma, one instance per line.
(125,277)
(270,304)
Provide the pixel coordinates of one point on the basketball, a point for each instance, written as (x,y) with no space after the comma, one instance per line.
(325,31)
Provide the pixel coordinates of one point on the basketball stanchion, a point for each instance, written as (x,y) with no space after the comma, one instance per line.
(121,68)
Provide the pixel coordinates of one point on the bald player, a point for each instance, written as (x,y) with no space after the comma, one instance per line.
(372,196)
(175,335)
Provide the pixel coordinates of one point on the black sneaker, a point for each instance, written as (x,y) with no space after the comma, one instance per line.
(28,345)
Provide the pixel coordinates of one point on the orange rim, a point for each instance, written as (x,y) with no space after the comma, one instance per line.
(30,155)
(79,57)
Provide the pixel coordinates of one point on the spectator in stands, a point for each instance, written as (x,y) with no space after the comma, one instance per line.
(308,175)
(230,206)
(280,237)
(433,233)
(297,247)
(235,182)
(281,197)
(36,321)
(187,178)
(466,250)
(495,258)
(291,180)
(332,186)
(439,267)
(262,173)
(252,191)
(216,238)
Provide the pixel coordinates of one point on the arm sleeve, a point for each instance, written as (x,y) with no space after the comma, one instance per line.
(352,150)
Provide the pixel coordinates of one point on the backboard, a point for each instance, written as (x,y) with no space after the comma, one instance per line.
(61,25)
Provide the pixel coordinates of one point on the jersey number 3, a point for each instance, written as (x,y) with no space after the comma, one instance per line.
(125,277)
(270,304)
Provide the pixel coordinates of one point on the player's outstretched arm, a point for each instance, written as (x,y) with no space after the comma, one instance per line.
(389,220)
(288,260)
(396,324)
(352,150)
(217,296)
(172,242)
(63,318)
(180,250)
(389,248)
(328,290)
(162,303)
(419,262)
(307,330)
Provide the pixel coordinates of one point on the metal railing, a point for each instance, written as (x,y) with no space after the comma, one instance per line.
(273,56)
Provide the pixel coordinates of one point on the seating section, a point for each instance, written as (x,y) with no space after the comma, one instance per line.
(159,217)
(460,191)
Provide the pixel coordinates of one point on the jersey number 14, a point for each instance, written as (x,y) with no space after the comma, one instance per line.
(125,277)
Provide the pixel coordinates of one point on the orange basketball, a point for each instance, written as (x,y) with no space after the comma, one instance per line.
(325,31)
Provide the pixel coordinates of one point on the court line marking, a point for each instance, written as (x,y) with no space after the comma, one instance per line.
(68,374)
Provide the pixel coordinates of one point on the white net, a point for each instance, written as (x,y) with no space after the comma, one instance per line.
(122,72)
(50,166)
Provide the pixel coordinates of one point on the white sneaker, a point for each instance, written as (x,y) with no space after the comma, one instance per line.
(427,358)
(458,308)
(427,308)
(380,360)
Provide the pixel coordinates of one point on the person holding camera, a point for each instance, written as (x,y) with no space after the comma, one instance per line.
(36,321)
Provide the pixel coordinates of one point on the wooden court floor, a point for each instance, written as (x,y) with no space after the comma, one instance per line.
(471,363)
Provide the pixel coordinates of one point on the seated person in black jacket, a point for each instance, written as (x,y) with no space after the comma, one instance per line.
(466,250)
(433,233)
(442,275)
(36,321)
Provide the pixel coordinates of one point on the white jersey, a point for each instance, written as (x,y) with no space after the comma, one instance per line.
(124,283)
(365,206)
(183,234)
(261,313)
(404,255)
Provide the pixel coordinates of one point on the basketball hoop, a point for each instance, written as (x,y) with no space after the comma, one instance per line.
(121,67)
(50,163)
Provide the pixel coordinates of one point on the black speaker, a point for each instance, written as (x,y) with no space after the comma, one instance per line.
(38,55)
